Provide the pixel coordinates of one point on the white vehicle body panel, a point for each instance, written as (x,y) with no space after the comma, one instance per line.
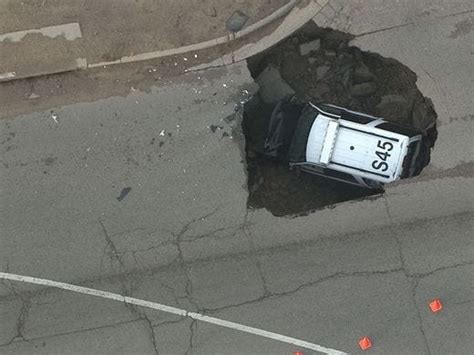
(357,149)
(314,146)
(329,142)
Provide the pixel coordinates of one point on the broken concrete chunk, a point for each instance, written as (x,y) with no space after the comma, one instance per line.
(364,89)
(272,85)
(319,89)
(394,107)
(308,47)
(362,74)
(424,115)
(236,21)
(321,71)
(392,99)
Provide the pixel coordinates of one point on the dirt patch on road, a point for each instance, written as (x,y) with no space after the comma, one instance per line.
(319,64)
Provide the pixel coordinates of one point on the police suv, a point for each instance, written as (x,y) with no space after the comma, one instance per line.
(344,145)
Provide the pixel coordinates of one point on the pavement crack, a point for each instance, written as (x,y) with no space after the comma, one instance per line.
(213,234)
(169,322)
(116,259)
(189,285)
(20,325)
(440,89)
(339,275)
(400,254)
(411,280)
(76,331)
(143,250)
(383,29)
(266,291)
(414,284)
(248,233)
(387,209)
(172,291)
(141,315)
(152,334)
(192,329)
(274,295)
(111,250)
(448,267)
(188,225)
(180,258)
(23,315)
(456,14)
(463,302)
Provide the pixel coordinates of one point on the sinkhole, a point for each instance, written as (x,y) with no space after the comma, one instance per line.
(319,65)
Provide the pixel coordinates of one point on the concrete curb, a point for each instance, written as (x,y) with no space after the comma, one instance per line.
(295,20)
(297,12)
(84,64)
(203,45)
(34,62)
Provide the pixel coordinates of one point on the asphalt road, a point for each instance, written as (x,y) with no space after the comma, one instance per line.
(145,196)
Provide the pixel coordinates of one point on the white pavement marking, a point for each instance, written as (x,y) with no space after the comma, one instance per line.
(7,75)
(70,31)
(169,309)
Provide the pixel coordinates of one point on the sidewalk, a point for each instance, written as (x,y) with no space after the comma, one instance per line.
(50,36)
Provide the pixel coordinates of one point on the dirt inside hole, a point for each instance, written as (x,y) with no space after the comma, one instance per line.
(319,65)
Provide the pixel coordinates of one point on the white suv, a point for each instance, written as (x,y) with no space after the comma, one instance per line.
(344,145)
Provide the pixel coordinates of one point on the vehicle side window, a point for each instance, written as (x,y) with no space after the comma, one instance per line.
(373,184)
(340,175)
(349,116)
(407,162)
(392,127)
(331,109)
(297,152)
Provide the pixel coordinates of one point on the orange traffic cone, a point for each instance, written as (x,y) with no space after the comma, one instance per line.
(436,305)
(365,343)
(298,353)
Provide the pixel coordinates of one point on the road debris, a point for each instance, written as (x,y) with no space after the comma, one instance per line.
(125,191)
(272,86)
(236,21)
(308,47)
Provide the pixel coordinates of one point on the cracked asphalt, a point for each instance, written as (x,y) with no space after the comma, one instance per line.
(181,234)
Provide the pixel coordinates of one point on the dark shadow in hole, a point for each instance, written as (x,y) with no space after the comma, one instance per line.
(274,187)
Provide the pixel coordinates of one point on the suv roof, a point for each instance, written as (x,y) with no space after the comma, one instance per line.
(344,145)
(355,148)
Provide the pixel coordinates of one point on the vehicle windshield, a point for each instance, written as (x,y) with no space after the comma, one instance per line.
(410,159)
